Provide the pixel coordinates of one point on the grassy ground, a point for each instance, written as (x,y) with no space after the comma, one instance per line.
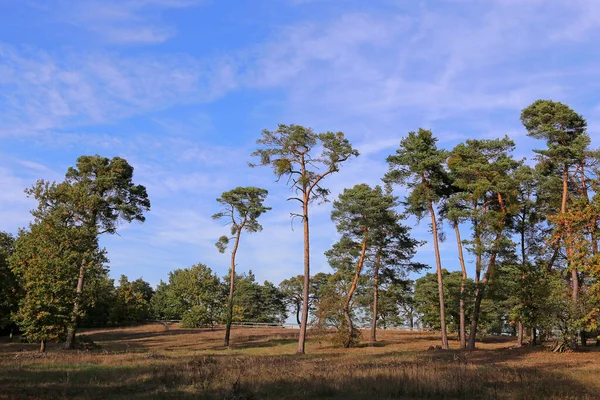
(152,362)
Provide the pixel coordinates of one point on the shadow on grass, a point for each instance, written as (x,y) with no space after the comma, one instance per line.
(285,377)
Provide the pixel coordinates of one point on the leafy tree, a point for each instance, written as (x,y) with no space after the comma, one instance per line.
(9,289)
(482,171)
(290,151)
(104,294)
(132,301)
(397,305)
(195,290)
(293,288)
(241,208)
(97,194)
(258,303)
(45,261)
(419,165)
(426,299)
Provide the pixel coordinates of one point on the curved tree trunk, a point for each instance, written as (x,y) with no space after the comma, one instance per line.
(439,276)
(298,308)
(231,285)
(305,292)
(463,328)
(375,299)
(359,266)
(72,329)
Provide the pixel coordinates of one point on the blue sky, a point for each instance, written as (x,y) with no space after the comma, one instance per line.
(183,88)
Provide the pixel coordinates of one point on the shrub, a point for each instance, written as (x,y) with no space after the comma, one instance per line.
(196,317)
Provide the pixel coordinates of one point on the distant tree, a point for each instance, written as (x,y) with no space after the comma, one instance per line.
(290,151)
(258,303)
(97,194)
(101,313)
(241,208)
(397,305)
(426,299)
(293,288)
(9,288)
(419,165)
(45,261)
(132,302)
(195,293)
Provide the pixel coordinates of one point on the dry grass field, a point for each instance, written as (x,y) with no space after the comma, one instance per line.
(152,362)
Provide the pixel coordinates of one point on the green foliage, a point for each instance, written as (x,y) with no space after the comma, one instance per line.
(196,286)
(397,304)
(132,301)
(426,301)
(418,165)
(46,261)
(196,317)
(254,302)
(563,129)
(241,208)
(96,192)
(104,294)
(289,151)
(9,288)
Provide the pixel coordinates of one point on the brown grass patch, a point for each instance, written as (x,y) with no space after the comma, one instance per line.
(151,362)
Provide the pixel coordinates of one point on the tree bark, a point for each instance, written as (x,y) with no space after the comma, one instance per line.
(533,337)
(375,299)
(359,266)
(520,327)
(72,329)
(42,345)
(305,292)
(462,328)
(231,285)
(439,276)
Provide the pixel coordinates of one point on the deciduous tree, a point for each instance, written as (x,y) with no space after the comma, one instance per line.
(97,194)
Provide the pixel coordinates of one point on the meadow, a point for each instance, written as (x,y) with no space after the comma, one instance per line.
(150,361)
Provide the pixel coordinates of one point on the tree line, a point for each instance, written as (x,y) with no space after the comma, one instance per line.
(530,228)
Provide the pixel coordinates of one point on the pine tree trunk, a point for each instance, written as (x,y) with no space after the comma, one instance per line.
(43,346)
(479,291)
(72,329)
(462,327)
(353,287)
(375,299)
(440,278)
(231,285)
(305,293)
(533,337)
(520,327)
